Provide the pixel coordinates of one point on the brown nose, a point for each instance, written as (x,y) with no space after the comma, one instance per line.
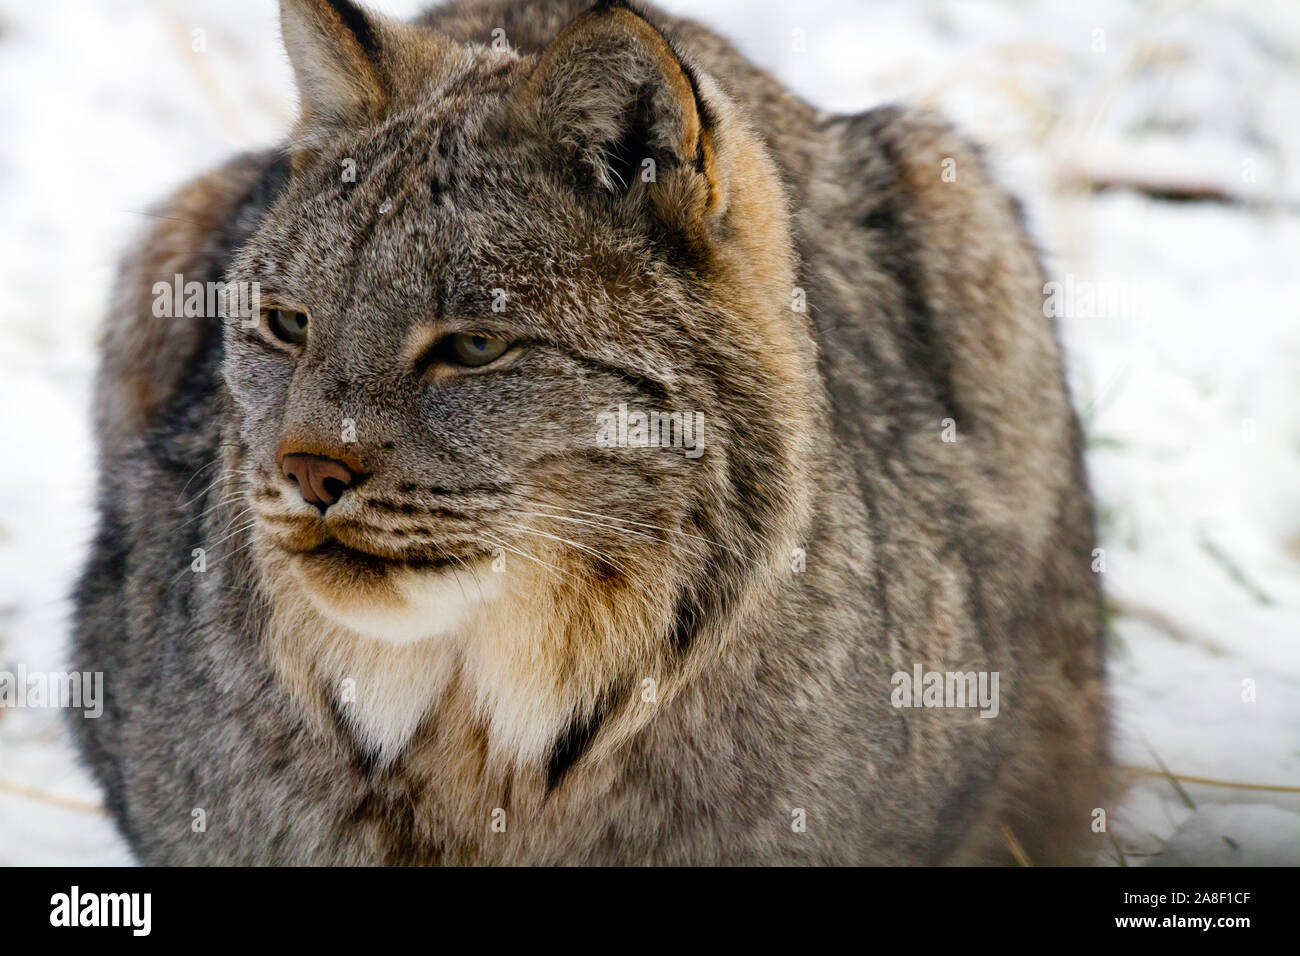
(320,480)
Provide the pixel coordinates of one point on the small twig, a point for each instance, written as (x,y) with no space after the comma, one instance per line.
(1234,571)
(1122,607)
(1119,850)
(1165,772)
(1207,781)
(67,803)
(1171,189)
(1017,850)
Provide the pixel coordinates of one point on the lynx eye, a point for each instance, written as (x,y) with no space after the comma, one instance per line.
(474,350)
(287,326)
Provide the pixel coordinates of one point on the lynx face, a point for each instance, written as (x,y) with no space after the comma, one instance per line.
(471,288)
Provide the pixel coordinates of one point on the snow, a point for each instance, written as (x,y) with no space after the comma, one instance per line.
(1245,834)
(1188,389)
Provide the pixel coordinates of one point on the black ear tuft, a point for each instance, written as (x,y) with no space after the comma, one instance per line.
(335,50)
(355,21)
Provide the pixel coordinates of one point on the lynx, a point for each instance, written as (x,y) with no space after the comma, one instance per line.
(367,586)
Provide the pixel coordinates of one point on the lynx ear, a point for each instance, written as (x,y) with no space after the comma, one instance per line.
(354,67)
(611,88)
(335,49)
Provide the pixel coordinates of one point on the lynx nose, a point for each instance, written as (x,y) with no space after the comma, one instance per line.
(321,481)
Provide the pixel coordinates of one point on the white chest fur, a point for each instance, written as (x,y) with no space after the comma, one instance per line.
(385,666)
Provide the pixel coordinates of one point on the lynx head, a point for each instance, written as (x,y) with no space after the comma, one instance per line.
(485,268)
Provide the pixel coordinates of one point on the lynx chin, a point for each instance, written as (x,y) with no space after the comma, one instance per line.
(430,599)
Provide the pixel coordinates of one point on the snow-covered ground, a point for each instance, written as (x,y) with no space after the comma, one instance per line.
(1180,318)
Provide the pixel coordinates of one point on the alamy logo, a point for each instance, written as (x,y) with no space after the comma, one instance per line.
(23,688)
(924,688)
(624,429)
(1084,299)
(103,909)
(207,300)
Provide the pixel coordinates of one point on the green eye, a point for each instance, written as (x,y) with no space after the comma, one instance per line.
(290,327)
(474,350)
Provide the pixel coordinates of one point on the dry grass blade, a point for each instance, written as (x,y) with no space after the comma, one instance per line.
(1173,780)
(53,799)
(1207,781)
(1014,846)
